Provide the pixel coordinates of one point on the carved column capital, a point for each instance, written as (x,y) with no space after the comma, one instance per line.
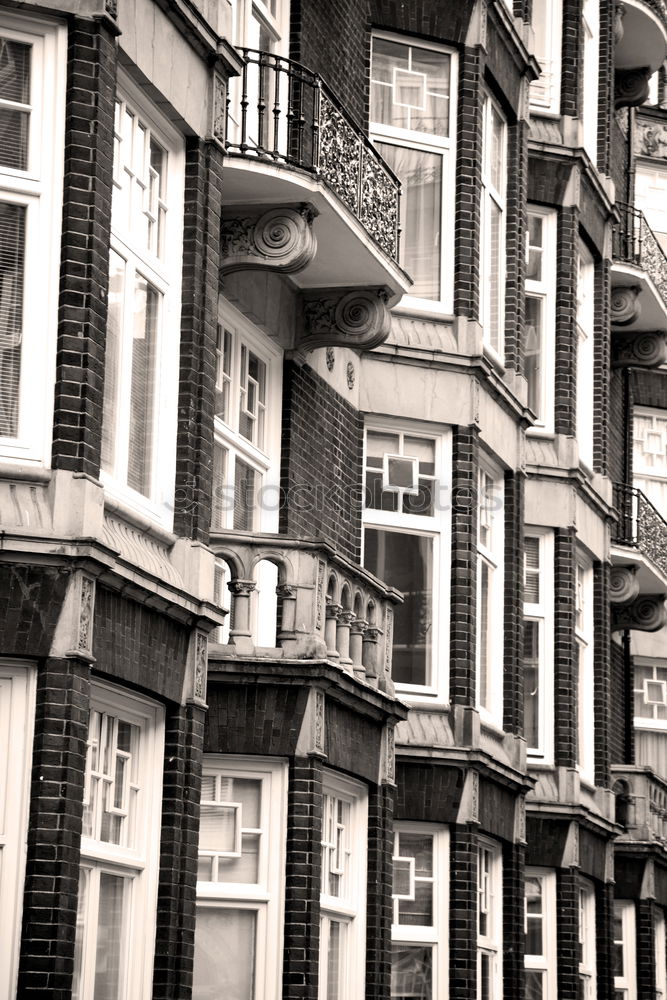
(625,305)
(642,350)
(623,584)
(240,588)
(631,86)
(645,614)
(354,318)
(281,239)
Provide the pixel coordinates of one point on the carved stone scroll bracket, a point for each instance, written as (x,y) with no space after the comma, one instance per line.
(353,318)
(625,305)
(73,636)
(388,756)
(280,239)
(196,677)
(645,614)
(312,735)
(631,86)
(623,584)
(641,350)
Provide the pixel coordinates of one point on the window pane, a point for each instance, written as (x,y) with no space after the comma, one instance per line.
(219,500)
(531,682)
(494,290)
(534,353)
(110,935)
(406,560)
(112,359)
(419,847)
(142,417)
(410,87)
(14,89)
(534,985)
(420,174)
(224,954)
(12,257)
(420,911)
(334,960)
(411,972)
(246,486)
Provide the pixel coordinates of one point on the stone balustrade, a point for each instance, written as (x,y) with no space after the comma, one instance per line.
(328,607)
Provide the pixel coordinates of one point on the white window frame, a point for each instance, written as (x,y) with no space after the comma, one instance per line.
(626,984)
(650,474)
(587,937)
(590,20)
(164,275)
(490,903)
(585,641)
(542,611)
(138,862)
(264,458)
(245,12)
(434,936)
(491,518)
(651,193)
(545,92)
(445,147)
(544,290)
(656,664)
(350,907)
(438,528)
(490,196)
(547,962)
(660,945)
(39,189)
(585,410)
(265,897)
(17,717)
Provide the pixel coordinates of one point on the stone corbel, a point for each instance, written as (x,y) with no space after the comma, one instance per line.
(645,614)
(641,350)
(280,240)
(354,318)
(623,584)
(631,86)
(625,305)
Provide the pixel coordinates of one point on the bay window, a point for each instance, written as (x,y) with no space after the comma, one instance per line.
(649,454)
(538,624)
(238,935)
(590,88)
(17,684)
(585,353)
(490,593)
(587,952)
(246,454)
(419,924)
(624,945)
(540,321)
(489,922)
(143,326)
(343,895)
(540,952)
(32,119)
(413,105)
(115,931)
(547,26)
(492,228)
(583,629)
(406,529)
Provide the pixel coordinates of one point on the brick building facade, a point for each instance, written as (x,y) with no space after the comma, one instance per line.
(333,503)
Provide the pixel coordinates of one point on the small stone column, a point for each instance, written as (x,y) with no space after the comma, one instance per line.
(240,634)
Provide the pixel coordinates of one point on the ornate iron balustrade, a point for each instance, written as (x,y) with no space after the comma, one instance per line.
(328,607)
(278,111)
(641,803)
(635,243)
(640,525)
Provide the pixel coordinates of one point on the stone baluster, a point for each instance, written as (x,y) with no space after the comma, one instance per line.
(357,629)
(287,594)
(345,619)
(331,628)
(372,653)
(240,634)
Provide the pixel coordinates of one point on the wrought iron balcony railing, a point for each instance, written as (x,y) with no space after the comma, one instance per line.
(640,525)
(635,243)
(281,112)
